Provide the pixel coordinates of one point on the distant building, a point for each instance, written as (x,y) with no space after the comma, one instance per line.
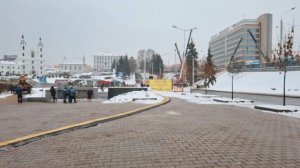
(10,68)
(29,62)
(223,44)
(75,67)
(9,58)
(72,68)
(33,61)
(104,61)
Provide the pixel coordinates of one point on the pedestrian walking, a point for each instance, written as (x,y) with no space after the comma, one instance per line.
(65,94)
(19,93)
(53,93)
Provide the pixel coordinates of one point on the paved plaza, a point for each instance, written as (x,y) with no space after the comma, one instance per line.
(178,134)
(18,120)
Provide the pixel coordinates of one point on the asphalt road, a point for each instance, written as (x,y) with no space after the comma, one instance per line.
(278,100)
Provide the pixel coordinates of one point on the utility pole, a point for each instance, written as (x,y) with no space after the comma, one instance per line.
(193,73)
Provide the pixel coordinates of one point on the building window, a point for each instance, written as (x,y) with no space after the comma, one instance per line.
(41,62)
(23,54)
(79,67)
(75,67)
(32,62)
(65,67)
(41,68)
(23,47)
(41,51)
(23,61)
(41,55)
(32,67)
(23,68)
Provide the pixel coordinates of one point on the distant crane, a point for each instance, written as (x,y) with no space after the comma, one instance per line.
(262,55)
(178,53)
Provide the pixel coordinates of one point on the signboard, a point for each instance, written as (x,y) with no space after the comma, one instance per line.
(161,85)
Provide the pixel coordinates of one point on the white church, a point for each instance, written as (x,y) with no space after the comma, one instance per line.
(29,62)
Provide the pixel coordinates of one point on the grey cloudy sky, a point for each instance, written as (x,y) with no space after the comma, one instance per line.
(73,28)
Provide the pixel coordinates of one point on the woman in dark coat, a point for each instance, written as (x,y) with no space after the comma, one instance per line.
(53,93)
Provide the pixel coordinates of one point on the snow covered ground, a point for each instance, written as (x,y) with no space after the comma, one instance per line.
(146,97)
(259,82)
(187,96)
(208,99)
(5,94)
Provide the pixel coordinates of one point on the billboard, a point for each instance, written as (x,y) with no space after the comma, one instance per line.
(161,85)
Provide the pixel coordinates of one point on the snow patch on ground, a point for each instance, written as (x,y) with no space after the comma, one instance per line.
(208,99)
(128,97)
(5,94)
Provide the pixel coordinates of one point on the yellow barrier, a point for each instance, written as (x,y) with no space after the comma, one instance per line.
(161,85)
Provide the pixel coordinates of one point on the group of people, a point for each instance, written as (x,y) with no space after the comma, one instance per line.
(68,94)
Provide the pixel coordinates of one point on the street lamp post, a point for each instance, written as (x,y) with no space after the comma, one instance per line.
(281,23)
(184,30)
(184,48)
(193,73)
(285,59)
(152,68)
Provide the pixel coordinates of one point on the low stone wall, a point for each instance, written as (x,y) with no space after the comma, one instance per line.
(81,93)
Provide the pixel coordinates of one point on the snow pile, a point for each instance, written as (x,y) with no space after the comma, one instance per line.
(259,82)
(5,94)
(144,97)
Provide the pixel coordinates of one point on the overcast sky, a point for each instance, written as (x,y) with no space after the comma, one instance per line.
(73,28)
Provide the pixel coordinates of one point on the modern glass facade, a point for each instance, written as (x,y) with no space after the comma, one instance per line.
(223,44)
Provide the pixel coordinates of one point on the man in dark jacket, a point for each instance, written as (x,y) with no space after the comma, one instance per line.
(65,94)
(19,93)
(90,93)
(53,93)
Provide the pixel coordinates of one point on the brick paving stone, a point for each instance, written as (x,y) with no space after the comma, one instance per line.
(196,136)
(18,120)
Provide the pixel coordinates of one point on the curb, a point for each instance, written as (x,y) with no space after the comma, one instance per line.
(272,109)
(86,124)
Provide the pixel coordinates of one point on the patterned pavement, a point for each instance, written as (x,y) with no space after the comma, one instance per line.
(178,134)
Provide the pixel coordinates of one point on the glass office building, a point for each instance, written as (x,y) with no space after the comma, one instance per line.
(223,44)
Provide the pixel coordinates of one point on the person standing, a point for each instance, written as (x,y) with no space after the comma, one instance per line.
(53,93)
(19,93)
(102,87)
(89,93)
(72,95)
(65,94)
